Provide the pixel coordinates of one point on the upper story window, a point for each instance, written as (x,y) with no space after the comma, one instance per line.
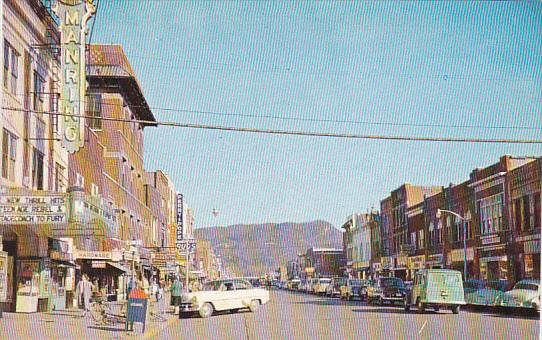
(491,210)
(54,109)
(40,134)
(94,189)
(11,67)
(94,109)
(39,91)
(37,170)
(59,177)
(421,239)
(9,153)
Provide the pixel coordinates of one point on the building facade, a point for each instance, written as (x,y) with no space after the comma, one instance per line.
(324,262)
(34,166)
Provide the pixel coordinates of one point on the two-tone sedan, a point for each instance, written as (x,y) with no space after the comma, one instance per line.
(220,295)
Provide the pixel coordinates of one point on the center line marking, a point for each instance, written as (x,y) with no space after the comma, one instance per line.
(421,329)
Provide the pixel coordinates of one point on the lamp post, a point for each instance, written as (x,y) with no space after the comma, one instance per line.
(439,213)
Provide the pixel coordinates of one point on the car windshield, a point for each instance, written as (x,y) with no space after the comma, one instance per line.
(497,285)
(212,286)
(526,285)
(392,282)
(474,284)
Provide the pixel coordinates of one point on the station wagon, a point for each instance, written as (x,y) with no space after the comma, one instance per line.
(436,288)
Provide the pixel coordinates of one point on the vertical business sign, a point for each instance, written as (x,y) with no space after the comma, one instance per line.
(180,226)
(73,15)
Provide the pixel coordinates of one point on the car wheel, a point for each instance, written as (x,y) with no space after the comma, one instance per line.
(254,306)
(455,309)
(206,310)
(405,304)
(235,310)
(420,306)
(436,308)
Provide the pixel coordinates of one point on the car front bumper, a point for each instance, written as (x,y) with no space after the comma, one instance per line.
(188,307)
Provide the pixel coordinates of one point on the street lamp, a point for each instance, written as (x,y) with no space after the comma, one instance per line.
(439,213)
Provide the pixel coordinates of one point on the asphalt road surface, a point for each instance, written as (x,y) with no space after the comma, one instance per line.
(300,316)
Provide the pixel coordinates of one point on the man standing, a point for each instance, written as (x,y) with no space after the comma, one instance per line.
(176,293)
(84,294)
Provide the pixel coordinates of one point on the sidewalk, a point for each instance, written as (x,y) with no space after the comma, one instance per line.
(70,325)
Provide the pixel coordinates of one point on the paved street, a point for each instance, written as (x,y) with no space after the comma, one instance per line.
(300,316)
(288,316)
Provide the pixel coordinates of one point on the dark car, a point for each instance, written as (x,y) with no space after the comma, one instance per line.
(387,289)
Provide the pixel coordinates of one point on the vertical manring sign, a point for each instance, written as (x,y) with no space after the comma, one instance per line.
(73,15)
(180,226)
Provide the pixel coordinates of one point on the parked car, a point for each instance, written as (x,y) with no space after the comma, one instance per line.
(218,295)
(293,284)
(525,293)
(481,293)
(436,288)
(386,289)
(354,288)
(320,285)
(334,288)
(311,284)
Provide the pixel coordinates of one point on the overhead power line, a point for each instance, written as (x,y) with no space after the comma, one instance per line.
(298,133)
(324,120)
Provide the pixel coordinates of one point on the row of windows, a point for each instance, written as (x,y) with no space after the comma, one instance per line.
(11,68)
(9,162)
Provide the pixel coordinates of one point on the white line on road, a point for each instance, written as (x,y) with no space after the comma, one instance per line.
(423,326)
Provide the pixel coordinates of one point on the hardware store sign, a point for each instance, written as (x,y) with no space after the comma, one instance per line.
(33,209)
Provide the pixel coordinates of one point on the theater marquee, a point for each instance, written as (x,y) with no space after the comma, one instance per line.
(73,15)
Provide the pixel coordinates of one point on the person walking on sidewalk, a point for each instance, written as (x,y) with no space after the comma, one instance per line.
(84,293)
(176,293)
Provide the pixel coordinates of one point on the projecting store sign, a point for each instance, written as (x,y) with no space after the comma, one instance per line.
(180,226)
(74,15)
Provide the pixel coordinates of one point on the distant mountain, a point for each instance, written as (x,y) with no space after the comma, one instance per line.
(255,249)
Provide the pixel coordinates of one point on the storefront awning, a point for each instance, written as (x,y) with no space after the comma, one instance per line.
(118,267)
(64,264)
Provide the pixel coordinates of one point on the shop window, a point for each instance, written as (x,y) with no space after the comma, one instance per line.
(9,152)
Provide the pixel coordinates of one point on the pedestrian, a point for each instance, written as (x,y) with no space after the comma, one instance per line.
(154,289)
(176,293)
(160,293)
(84,294)
(131,285)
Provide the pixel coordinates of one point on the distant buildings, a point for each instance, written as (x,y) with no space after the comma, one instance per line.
(500,219)
(324,262)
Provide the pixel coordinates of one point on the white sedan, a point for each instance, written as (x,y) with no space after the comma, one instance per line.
(219,295)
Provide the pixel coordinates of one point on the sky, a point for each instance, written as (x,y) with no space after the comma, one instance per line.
(447,69)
